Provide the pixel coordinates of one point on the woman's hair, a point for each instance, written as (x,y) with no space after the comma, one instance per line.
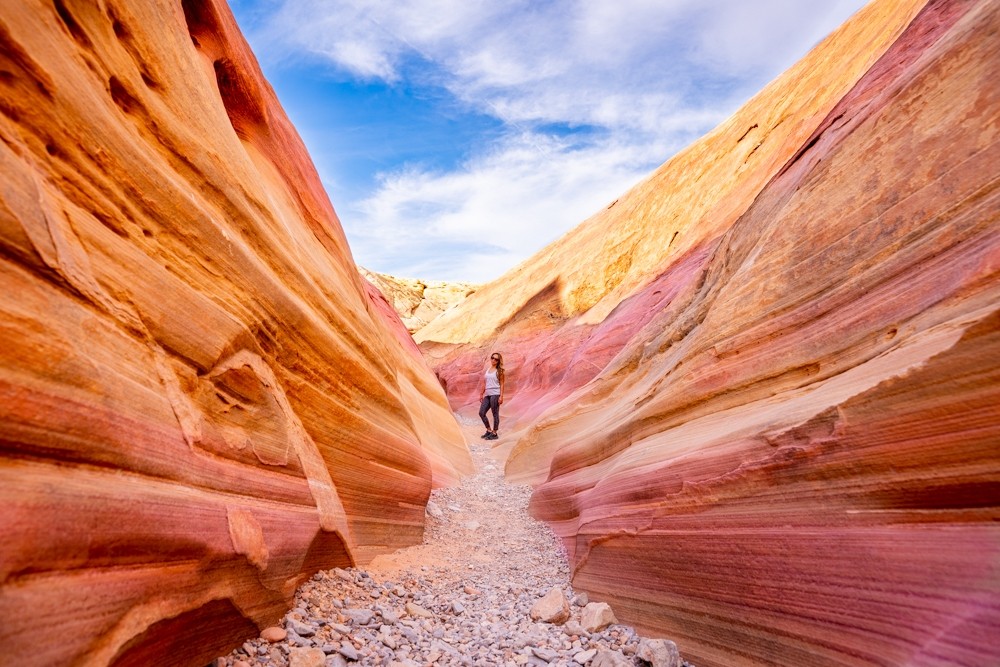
(499,364)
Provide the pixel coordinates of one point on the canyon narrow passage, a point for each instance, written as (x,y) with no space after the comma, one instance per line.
(470,594)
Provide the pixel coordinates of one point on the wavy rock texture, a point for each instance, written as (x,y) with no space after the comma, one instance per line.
(567,311)
(201,401)
(782,448)
(417,302)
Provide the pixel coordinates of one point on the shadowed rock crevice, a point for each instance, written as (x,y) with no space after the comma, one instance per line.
(193,637)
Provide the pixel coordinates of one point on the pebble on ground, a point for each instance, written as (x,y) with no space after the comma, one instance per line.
(463,597)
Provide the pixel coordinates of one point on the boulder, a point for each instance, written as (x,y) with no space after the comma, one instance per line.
(596,616)
(659,653)
(273,634)
(607,658)
(306,657)
(551,608)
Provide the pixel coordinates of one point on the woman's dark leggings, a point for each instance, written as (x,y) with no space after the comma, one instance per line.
(490,403)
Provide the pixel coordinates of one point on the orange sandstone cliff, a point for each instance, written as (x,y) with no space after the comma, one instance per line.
(201,401)
(759,395)
(418,302)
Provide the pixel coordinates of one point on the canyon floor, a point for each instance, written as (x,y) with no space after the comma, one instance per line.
(470,594)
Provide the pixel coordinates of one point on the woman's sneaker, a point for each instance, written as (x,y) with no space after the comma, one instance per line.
(486,436)
(492,436)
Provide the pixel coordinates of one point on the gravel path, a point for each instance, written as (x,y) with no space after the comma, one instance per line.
(471,594)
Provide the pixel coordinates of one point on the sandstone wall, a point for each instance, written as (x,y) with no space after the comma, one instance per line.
(567,311)
(783,447)
(418,302)
(201,402)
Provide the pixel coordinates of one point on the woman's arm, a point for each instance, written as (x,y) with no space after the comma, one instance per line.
(501,389)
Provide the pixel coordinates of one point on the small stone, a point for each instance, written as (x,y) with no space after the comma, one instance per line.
(551,608)
(469,590)
(359,616)
(298,641)
(241,663)
(583,657)
(417,611)
(546,654)
(659,652)
(472,525)
(573,627)
(336,661)
(581,600)
(433,510)
(457,607)
(610,659)
(348,651)
(596,616)
(273,634)
(300,628)
(306,657)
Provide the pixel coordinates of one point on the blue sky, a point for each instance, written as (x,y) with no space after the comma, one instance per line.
(456,138)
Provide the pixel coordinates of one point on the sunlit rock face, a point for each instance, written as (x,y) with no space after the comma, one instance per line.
(201,403)
(416,301)
(777,443)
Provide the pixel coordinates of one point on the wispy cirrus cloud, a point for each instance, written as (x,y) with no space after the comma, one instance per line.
(591,96)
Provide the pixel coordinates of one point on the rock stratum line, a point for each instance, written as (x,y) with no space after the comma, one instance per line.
(201,402)
(759,394)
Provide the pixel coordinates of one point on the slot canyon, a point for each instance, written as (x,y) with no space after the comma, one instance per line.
(756,398)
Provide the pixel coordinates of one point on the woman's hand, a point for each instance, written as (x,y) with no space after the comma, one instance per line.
(501,400)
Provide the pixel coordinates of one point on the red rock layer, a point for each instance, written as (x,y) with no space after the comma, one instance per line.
(793,459)
(200,401)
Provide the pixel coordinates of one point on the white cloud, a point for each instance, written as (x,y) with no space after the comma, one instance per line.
(648,76)
(475,222)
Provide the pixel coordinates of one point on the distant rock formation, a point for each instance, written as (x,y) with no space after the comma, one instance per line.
(417,302)
(760,393)
(201,402)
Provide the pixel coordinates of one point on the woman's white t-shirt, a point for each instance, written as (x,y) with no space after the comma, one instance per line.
(492,383)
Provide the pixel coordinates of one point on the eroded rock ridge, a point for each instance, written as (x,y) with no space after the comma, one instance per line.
(416,301)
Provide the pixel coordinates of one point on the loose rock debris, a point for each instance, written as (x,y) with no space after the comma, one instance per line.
(488,586)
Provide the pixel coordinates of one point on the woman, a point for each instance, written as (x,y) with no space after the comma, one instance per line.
(491,397)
